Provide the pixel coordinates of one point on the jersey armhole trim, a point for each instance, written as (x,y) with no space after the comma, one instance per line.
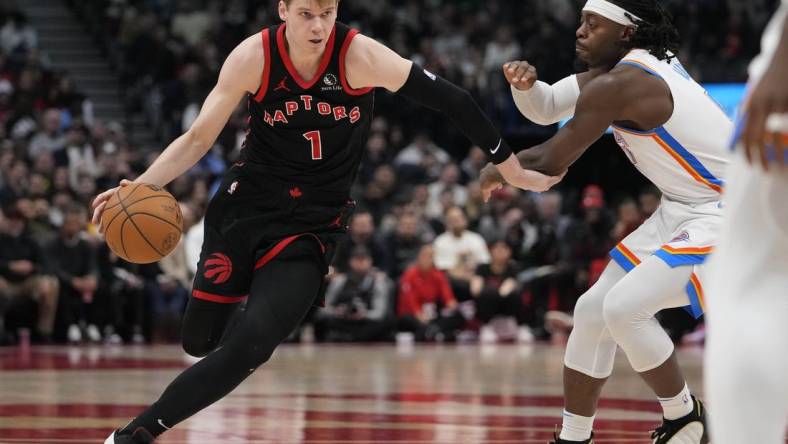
(342,53)
(640,65)
(266,68)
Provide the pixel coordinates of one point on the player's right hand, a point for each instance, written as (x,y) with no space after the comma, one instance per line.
(100,202)
(520,74)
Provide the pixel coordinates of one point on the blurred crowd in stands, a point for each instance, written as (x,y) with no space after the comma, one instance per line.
(425,255)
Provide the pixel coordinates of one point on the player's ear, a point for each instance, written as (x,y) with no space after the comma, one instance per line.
(282,10)
(627,33)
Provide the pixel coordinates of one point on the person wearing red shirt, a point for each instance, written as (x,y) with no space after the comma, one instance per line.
(427,306)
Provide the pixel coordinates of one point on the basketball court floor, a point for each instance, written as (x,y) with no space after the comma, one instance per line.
(323,394)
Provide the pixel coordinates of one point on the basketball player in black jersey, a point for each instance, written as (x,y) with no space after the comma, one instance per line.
(271,228)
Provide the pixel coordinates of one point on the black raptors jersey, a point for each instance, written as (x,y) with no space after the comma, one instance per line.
(307,134)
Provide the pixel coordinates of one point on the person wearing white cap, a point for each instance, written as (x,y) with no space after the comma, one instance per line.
(677,137)
(746,364)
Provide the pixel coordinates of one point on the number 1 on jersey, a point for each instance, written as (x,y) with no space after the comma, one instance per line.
(317,146)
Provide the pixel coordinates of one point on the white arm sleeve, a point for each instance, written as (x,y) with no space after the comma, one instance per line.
(547,104)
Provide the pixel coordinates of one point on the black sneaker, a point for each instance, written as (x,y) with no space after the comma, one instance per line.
(689,429)
(140,436)
(558,440)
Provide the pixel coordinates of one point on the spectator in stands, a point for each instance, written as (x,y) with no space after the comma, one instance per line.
(358,304)
(422,159)
(78,155)
(121,293)
(16,181)
(379,194)
(361,233)
(458,242)
(17,35)
(459,251)
(73,261)
(404,243)
(426,305)
(629,219)
(23,273)
(50,138)
(497,294)
(585,254)
(448,183)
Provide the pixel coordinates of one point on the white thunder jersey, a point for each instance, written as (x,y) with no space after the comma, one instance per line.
(686,157)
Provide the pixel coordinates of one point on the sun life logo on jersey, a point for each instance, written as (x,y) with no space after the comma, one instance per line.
(331,83)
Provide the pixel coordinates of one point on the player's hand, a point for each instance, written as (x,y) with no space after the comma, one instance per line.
(520,74)
(489,181)
(100,202)
(514,174)
(769,97)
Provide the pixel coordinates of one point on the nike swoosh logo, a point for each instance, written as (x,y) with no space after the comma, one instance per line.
(497,147)
(162,424)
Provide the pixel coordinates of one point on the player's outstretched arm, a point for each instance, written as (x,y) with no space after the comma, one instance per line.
(601,102)
(240,74)
(372,64)
(541,103)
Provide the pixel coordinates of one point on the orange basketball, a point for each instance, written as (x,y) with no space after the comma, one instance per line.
(142,223)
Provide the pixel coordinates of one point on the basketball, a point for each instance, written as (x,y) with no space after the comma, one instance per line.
(142,223)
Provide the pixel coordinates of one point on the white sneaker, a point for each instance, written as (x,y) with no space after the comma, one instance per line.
(525,335)
(93,333)
(74,333)
(111,439)
(487,334)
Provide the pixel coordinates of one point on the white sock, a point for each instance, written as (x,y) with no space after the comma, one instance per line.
(576,427)
(677,406)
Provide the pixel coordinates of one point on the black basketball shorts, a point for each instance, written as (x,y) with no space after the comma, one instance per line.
(249,223)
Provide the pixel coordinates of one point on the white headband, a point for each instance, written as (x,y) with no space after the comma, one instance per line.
(612,12)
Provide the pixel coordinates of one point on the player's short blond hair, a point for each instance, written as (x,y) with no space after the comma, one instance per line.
(323,3)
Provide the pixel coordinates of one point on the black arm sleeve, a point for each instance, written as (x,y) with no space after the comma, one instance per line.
(431,91)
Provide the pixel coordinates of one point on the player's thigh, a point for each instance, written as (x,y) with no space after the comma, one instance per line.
(284,289)
(650,287)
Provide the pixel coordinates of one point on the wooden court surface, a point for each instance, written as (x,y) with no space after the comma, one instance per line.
(326,394)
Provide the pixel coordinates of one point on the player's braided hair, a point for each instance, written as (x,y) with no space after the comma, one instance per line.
(655,32)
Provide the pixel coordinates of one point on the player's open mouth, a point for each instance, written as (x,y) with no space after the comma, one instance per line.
(580,48)
(316,41)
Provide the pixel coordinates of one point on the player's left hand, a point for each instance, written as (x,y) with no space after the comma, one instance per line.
(768,98)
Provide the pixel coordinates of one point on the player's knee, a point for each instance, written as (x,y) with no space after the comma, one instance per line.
(197,345)
(618,311)
(588,313)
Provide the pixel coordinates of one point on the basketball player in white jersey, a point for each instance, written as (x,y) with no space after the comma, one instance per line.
(677,137)
(746,354)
